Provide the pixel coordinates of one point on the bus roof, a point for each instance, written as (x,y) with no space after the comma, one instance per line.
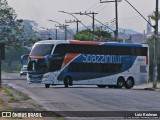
(89,42)
(52,41)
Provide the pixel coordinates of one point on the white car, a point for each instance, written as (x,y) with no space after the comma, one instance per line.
(23,70)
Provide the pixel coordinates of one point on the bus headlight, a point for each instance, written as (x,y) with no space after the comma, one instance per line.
(46,76)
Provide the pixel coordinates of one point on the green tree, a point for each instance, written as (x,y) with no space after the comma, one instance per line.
(103,35)
(12,58)
(153,15)
(87,35)
(28,34)
(7,22)
(12,31)
(84,35)
(7,14)
(15,34)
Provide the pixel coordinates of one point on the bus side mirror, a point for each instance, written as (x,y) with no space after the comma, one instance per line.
(24,56)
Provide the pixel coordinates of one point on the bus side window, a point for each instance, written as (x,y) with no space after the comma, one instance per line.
(56,63)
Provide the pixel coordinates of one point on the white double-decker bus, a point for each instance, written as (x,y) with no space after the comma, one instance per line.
(111,64)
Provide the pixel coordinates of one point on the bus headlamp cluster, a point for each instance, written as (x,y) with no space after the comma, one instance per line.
(46,76)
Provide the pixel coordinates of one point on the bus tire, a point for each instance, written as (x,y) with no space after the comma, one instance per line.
(67,81)
(102,86)
(129,83)
(120,82)
(47,85)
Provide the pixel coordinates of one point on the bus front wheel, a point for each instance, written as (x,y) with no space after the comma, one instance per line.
(129,83)
(47,85)
(67,81)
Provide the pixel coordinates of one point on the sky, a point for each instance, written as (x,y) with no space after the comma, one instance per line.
(42,10)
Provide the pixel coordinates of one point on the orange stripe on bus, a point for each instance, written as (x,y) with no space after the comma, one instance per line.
(68,58)
(147,60)
(85,42)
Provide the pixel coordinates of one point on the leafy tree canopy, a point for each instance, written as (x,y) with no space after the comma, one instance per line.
(7,14)
(8,25)
(87,35)
(15,32)
(153,15)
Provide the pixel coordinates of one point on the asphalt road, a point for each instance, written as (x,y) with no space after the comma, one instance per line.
(87,98)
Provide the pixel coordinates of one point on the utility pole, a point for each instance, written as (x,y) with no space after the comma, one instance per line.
(62,26)
(99,22)
(74,17)
(49,34)
(116,12)
(93,18)
(2,57)
(65,30)
(74,21)
(155,74)
(56,34)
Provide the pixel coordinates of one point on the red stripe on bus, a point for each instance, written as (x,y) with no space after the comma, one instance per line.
(68,58)
(85,42)
(147,60)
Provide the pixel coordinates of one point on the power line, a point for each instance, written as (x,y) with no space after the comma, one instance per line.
(139,14)
(93,17)
(97,7)
(102,8)
(65,29)
(75,18)
(62,26)
(92,6)
(74,21)
(101,23)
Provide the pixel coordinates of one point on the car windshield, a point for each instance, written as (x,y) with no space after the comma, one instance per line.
(41,49)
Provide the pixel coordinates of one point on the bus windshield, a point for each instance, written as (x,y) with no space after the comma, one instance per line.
(41,49)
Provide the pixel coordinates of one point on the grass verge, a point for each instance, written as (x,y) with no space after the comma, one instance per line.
(11,99)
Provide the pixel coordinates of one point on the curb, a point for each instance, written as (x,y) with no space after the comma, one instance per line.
(153,89)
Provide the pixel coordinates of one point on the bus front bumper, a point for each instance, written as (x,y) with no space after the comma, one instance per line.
(47,79)
(34,78)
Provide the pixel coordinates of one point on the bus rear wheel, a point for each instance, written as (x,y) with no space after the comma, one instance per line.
(120,82)
(102,86)
(47,85)
(129,83)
